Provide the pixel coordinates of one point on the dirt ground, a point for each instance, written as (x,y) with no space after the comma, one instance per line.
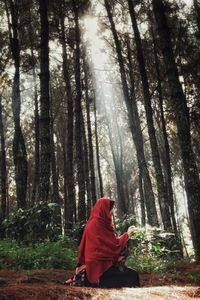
(49,285)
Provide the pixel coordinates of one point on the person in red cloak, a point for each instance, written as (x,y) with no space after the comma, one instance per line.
(100,249)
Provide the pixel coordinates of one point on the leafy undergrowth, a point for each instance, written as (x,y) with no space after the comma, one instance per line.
(62,254)
(43,255)
(22,274)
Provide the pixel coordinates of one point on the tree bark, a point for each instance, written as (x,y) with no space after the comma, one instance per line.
(179,105)
(90,144)
(101,192)
(86,167)
(36,118)
(55,195)
(145,187)
(70,203)
(3,172)
(142,201)
(162,191)
(133,118)
(19,148)
(197,12)
(45,145)
(167,160)
(78,123)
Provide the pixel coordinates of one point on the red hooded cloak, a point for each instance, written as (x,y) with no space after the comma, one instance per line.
(100,247)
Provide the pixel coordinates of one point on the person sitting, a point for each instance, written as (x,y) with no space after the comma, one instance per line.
(100,252)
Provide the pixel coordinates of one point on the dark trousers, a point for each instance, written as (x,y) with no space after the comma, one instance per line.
(119,276)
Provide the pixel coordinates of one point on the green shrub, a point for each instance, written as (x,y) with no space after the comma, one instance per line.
(123,223)
(43,255)
(42,221)
(194,276)
(76,232)
(152,249)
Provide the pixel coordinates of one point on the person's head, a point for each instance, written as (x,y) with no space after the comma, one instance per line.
(112,204)
(103,208)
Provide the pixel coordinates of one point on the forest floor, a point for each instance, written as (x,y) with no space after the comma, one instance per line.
(49,285)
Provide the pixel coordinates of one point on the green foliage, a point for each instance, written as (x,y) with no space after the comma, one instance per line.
(75,233)
(44,255)
(194,276)
(153,250)
(150,262)
(123,223)
(155,241)
(42,221)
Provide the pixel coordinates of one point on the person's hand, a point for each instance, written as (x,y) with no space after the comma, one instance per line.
(130,231)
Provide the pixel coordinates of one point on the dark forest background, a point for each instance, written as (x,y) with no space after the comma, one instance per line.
(64,141)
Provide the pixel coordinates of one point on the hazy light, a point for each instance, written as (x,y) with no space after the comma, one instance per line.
(107,85)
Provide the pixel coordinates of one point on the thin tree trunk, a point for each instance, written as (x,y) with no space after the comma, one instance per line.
(132,115)
(162,191)
(145,186)
(70,203)
(86,167)
(90,144)
(118,169)
(34,195)
(45,145)
(36,118)
(142,201)
(97,152)
(3,172)
(55,196)
(179,104)
(197,12)
(19,148)
(167,161)
(78,123)
(67,223)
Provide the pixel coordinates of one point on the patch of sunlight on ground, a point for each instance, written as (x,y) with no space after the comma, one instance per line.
(151,293)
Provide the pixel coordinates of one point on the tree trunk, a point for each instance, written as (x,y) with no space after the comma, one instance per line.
(3,173)
(145,186)
(90,144)
(133,118)
(55,195)
(78,123)
(197,12)
(167,160)
(142,201)
(116,154)
(19,148)
(97,152)
(179,104)
(36,119)
(70,203)
(86,167)
(162,191)
(45,146)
